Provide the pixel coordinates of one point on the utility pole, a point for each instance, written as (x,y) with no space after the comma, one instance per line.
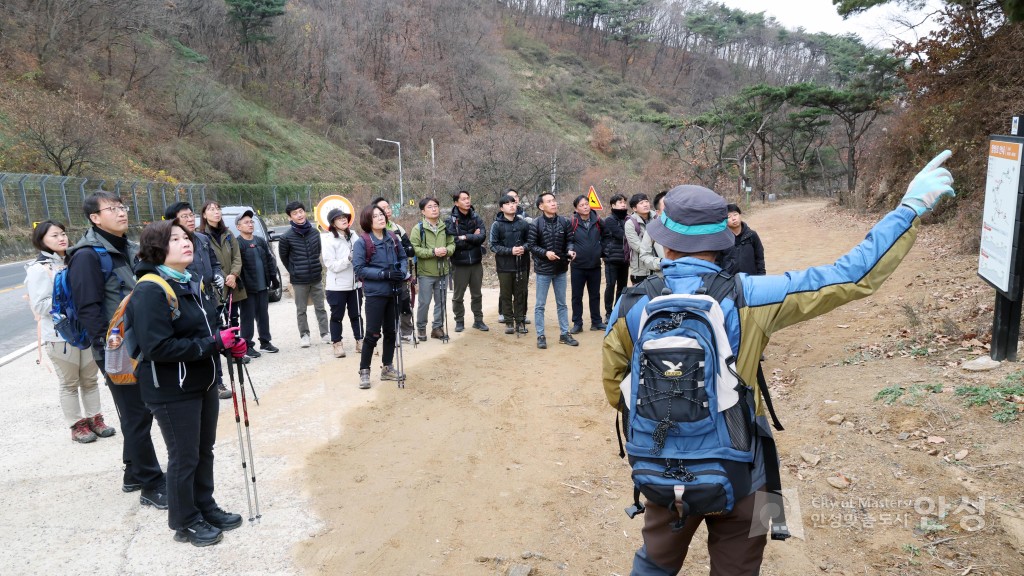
(401,192)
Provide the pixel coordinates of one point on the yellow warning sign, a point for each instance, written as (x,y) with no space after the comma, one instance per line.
(593,200)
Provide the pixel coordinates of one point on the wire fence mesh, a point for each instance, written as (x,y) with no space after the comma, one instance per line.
(29,198)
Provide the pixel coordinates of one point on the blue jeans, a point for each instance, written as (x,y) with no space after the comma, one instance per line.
(543,282)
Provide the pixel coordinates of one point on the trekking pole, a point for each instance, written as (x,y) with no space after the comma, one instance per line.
(516,279)
(251,387)
(225,322)
(446,278)
(412,309)
(398,338)
(248,437)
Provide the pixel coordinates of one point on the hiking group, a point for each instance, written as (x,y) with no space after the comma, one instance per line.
(680,352)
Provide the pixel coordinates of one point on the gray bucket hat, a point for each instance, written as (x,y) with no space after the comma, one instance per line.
(695,219)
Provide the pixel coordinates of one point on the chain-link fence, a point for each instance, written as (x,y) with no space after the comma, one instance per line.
(29,198)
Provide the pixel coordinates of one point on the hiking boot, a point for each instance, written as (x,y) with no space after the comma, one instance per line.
(359,345)
(268,347)
(421,333)
(129,483)
(460,325)
(527,320)
(252,353)
(364,378)
(510,328)
(542,342)
(222,391)
(304,341)
(245,359)
(406,337)
(100,428)
(339,349)
(567,339)
(437,333)
(223,520)
(389,373)
(157,498)
(598,326)
(202,533)
(479,325)
(521,328)
(325,338)
(80,432)
(576,329)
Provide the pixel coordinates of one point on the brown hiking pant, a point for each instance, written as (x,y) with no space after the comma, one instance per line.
(733,551)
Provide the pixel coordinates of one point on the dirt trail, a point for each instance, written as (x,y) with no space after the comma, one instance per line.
(499,453)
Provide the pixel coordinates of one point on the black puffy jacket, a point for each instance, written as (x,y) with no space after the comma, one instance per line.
(586,238)
(256,256)
(468,251)
(748,252)
(550,234)
(505,235)
(177,356)
(300,254)
(614,236)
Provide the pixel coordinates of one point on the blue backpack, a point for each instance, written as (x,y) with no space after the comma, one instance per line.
(688,416)
(64,311)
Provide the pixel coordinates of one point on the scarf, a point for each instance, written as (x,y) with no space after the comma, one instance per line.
(619,213)
(302,229)
(179,277)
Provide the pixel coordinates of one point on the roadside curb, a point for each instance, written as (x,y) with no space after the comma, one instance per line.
(17,354)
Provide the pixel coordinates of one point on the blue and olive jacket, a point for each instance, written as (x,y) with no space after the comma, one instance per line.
(766,304)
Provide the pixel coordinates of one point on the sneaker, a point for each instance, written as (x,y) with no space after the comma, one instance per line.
(80,432)
(223,520)
(304,341)
(510,328)
(460,325)
(268,347)
(479,325)
(245,359)
(100,428)
(406,337)
(421,333)
(325,338)
(528,321)
(521,328)
(542,342)
(157,498)
(364,378)
(359,345)
(501,318)
(129,483)
(222,391)
(576,329)
(567,339)
(339,349)
(598,327)
(252,353)
(437,333)
(389,373)
(202,533)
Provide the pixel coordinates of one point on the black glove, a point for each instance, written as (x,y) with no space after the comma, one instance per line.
(395,275)
(274,284)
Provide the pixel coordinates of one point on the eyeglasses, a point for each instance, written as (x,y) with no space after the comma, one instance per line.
(187,216)
(115,209)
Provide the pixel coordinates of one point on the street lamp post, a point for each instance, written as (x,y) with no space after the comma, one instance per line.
(401,192)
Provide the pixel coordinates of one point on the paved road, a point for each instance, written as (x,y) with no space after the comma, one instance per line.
(18,324)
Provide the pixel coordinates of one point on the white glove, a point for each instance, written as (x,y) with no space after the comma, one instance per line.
(218,281)
(931,183)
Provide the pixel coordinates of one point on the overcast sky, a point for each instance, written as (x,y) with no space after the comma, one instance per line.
(875,26)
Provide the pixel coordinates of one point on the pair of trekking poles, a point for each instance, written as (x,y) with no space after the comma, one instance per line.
(248,467)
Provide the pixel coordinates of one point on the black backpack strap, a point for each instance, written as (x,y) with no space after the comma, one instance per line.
(722,285)
(773,488)
(652,287)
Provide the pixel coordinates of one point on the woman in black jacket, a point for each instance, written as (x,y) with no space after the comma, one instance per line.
(176,372)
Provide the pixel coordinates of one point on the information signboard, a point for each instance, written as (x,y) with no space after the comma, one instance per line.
(1000,224)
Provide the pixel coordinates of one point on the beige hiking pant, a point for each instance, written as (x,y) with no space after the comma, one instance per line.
(77,371)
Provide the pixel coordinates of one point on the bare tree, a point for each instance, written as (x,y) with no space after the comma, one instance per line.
(66,135)
(197,104)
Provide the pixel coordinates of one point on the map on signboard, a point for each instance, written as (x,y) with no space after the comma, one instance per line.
(1002,189)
